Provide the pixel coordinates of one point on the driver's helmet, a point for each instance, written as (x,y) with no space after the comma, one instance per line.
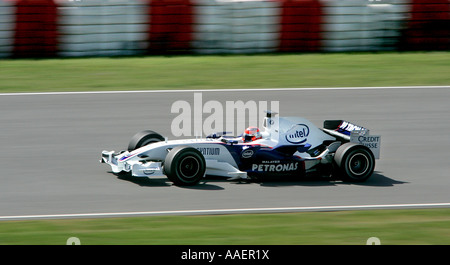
(251,134)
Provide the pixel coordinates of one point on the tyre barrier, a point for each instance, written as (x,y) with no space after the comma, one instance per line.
(170,26)
(47,28)
(300,26)
(35,31)
(429,26)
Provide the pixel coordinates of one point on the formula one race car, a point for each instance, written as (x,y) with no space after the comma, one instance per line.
(287,146)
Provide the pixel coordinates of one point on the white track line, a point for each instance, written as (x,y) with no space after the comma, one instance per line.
(228,211)
(218,90)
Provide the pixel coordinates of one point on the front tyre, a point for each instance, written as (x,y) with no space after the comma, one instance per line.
(184,166)
(144,138)
(354,162)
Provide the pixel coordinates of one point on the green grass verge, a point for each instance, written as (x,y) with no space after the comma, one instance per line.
(392,227)
(233,71)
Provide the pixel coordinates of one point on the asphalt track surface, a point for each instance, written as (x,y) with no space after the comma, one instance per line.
(51,145)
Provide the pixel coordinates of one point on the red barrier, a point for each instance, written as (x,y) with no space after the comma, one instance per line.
(429,26)
(170,26)
(300,26)
(35,29)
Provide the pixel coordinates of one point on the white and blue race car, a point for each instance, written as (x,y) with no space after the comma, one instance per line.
(288,147)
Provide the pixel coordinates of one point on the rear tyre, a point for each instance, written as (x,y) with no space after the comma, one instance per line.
(354,162)
(144,138)
(184,166)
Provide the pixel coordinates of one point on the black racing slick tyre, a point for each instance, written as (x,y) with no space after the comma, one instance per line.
(144,138)
(184,166)
(354,162)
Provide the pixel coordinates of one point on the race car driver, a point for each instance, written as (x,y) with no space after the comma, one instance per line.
(251,134)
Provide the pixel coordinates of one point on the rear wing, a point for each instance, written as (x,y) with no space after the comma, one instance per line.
(349,132)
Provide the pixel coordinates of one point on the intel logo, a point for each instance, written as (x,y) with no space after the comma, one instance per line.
(297,134)
(247,153)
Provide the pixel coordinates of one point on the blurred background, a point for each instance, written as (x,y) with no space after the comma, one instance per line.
(76,28)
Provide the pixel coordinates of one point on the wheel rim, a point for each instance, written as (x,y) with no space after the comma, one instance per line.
(189,167)
(358,164)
